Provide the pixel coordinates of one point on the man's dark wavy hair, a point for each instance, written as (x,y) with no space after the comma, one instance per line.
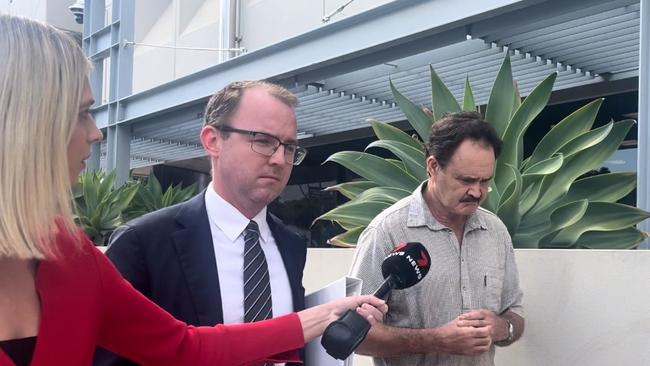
(452,129)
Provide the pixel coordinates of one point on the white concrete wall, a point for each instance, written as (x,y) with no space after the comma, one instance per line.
(265,22)
(583,307)
(196,23)
(176,23)
(32,9)
(53,12)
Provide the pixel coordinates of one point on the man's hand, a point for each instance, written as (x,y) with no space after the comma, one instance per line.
(464,336)
(486,318)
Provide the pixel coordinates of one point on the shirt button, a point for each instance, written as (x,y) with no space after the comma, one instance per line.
(464,288)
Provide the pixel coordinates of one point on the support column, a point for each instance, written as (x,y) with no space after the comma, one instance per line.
(118,152)
(118,148)
(94,21)
(643,151)
(225,29)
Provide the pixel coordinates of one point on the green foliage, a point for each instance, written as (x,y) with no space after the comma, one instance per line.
(150,197)
(101,207)
(543,199)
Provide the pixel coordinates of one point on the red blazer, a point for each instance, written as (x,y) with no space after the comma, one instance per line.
(85,302)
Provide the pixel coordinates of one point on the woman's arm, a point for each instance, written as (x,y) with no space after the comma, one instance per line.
(137,328)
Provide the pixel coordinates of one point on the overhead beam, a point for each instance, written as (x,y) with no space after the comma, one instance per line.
(372,36)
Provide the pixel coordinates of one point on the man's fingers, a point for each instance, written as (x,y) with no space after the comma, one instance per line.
(472,323)
(371,313)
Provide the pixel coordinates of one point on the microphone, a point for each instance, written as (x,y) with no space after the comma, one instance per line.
(403,267)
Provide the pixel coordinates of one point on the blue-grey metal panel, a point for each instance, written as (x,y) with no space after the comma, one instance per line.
(643,151)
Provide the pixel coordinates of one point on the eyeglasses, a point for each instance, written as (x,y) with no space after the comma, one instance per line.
(266,144)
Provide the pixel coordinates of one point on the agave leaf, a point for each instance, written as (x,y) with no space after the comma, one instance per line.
(569,128)
(468,97)
(348,239)
(125,196)
(90,183)
(154,185)
(516,103)
(600,216)
(586,140)
(442,100)
(499,107)
(383,194)
(532,184)
(375,169)
(513,137)
(530,233)
(557,184)
(187,193)
(352,189)
(384,131)
(568,214)
(509,206)
(544,167)
(100,208)
(150,197)
(412,158)
(418,119)
(167,196)
(354,214)
(628,238)
(397,163)
(106,184)
(146,198)
(609,187)
(530,237)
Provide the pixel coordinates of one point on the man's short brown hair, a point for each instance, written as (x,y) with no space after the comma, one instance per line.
(225,102)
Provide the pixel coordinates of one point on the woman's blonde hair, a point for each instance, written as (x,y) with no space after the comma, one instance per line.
(42,75)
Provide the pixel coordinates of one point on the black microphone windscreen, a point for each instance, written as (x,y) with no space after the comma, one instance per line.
(408,263)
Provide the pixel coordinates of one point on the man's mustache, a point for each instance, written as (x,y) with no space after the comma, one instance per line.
(470,199)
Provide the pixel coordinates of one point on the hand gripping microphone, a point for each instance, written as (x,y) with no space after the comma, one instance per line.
(405,266)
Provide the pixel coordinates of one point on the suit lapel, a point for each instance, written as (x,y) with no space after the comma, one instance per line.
(286,245)
(195,251)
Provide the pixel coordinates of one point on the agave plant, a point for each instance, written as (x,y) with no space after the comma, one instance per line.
(99,205)
(541,199)
(150,197)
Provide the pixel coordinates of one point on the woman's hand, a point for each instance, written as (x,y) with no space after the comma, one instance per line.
(368,306)
(314,320)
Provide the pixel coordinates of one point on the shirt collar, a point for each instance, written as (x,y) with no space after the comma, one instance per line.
(419,214)
(229,220)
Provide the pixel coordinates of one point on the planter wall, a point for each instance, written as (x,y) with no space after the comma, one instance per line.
(583,307)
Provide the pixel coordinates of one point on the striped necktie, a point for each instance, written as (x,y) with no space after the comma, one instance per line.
(257,286)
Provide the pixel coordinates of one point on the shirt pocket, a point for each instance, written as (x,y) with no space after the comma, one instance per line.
(493,288)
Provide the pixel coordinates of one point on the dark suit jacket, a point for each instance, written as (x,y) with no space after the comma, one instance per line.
(168,255)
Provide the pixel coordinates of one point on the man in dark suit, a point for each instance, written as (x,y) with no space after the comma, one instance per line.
(221,257)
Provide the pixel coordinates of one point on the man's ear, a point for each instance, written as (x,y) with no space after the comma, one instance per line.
(431,165)
(211,140)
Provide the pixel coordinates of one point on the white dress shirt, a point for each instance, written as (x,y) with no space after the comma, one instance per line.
(227,225)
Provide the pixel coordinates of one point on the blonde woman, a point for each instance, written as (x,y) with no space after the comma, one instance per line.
(59,296)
